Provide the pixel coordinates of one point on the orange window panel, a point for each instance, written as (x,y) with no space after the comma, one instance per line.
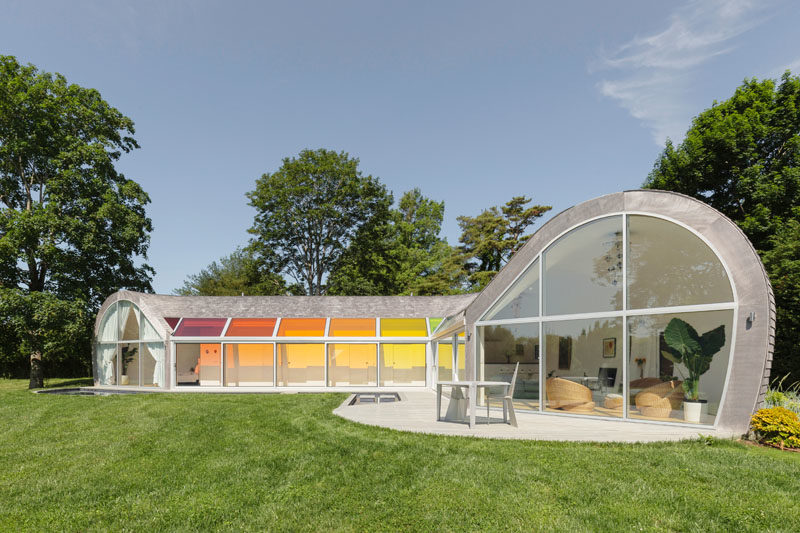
(251,327)
(403,327)
(352,327)
(302,327)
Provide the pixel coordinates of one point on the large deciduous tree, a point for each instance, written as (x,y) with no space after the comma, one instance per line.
(490,239)
(310,210)
(742,157)
(71,226)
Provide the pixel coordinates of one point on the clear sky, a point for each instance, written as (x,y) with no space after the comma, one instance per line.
(472,102)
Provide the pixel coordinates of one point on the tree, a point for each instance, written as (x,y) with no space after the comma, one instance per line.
(742,157)
(489,240)
(71,225)
(404,255)
(309,211)
(40,323)
(236,274)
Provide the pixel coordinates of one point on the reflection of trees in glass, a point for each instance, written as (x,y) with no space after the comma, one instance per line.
(501,346)
(607,268)
(674,268)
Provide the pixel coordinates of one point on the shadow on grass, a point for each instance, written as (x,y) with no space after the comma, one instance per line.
(76,382)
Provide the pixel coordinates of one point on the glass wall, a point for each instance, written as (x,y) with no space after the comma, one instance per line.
(506,345)
(198,364)
(522,298)
(301,365)
(675,358)
(583,269)
(249,365)
(129,363)
(402,364)
(128,350)
(352,364)
(669,265)
(444,361)
(583,366)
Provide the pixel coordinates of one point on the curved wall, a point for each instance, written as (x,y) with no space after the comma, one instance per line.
(752,340)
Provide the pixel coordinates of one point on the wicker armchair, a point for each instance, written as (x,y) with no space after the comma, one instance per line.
(660,400)
(568,396)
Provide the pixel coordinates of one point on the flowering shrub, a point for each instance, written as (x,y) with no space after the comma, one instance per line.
(777,426)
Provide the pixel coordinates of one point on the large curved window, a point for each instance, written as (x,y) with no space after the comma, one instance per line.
(128,350)
(636,322)
(583,269)
(669,265)
(522,298)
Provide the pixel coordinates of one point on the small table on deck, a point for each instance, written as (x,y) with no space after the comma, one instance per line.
(472,394)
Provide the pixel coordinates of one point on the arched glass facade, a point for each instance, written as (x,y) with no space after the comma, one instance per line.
(596,321)
(128,350)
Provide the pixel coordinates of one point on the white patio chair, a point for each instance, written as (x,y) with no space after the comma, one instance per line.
(506,400)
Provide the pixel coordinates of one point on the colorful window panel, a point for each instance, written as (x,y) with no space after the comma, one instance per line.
(302,327)
(352,327)
(201,327)
(403,327)
(251,327)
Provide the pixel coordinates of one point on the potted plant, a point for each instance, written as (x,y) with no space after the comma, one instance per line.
(126,354)
(694,352)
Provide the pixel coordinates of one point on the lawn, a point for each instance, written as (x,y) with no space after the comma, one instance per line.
(284,462)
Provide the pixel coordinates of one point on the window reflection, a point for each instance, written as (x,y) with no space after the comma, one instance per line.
(583,269)
(583,366)
(505,346)
(668,265)
(656,381)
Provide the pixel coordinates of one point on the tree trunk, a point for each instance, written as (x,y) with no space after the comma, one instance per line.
(37,371)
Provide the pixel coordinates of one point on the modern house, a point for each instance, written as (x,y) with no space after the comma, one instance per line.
(628,306)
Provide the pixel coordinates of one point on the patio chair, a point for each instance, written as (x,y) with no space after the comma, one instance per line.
(506,400)
(660,400)
(568,396)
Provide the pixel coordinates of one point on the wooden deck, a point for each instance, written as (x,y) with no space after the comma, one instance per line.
(417,413)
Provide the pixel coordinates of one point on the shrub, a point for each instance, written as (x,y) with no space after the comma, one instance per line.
(777,426)
(780,395)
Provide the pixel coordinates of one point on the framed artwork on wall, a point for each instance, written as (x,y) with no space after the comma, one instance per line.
(610,347)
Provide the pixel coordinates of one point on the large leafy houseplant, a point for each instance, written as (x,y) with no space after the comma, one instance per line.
(693,351)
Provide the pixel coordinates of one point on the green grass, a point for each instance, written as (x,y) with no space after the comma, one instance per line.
(284,462)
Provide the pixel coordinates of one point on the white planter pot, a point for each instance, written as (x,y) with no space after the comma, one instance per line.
(691,411)
(124,380)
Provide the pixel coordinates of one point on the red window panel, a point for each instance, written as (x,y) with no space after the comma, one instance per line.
(201,327)
(172,321)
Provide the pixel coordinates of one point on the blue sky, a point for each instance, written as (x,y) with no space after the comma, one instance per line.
(473,102)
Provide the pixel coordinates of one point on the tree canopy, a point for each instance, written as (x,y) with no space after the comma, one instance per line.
(490,239)
(71,225)
(310,210)
(742,157)
(402,255)
(239,273)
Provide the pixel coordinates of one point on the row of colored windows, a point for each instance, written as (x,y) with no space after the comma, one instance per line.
(301,327)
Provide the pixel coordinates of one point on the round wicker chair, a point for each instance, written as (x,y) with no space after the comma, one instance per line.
(660,400)
(569,396)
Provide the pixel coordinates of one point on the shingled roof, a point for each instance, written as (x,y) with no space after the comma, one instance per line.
(300,306)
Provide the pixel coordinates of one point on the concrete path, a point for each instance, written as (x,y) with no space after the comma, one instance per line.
(416,413)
